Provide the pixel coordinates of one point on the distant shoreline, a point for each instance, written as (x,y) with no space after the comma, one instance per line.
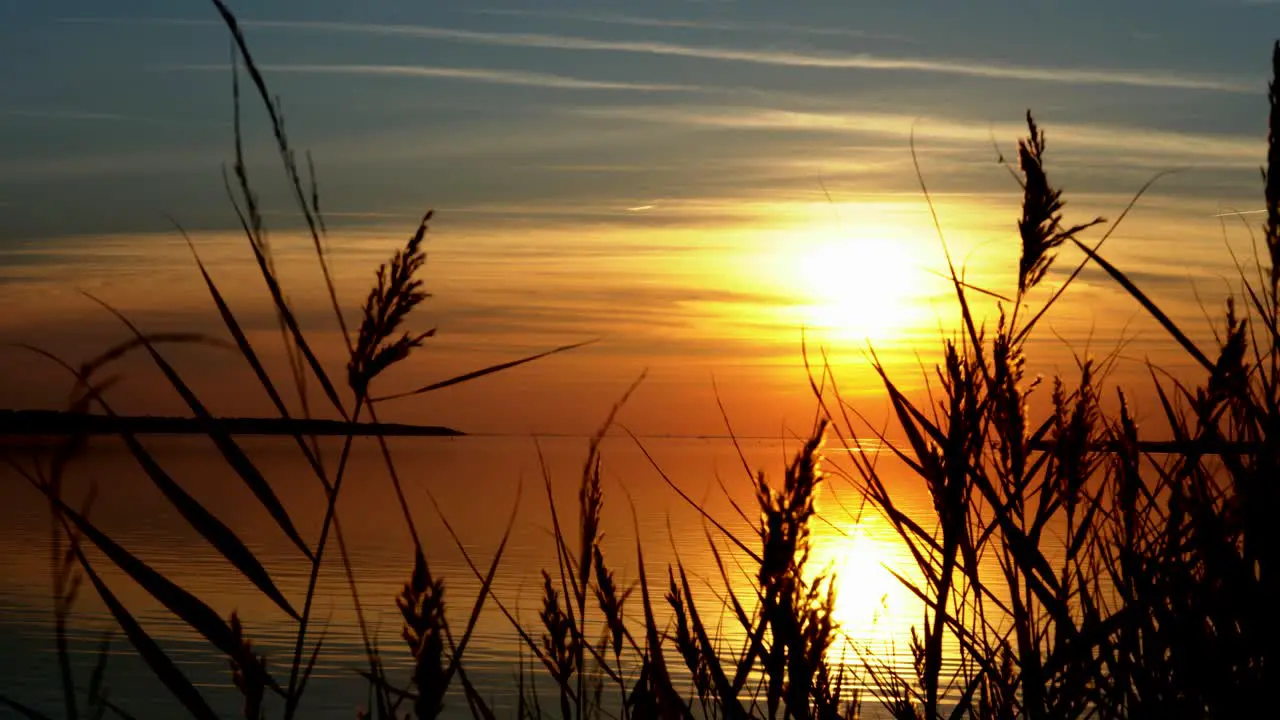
(28,423)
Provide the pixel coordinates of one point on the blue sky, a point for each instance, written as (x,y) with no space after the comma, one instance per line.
(114,114)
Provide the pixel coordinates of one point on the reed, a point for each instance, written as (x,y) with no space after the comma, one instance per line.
(1130,579)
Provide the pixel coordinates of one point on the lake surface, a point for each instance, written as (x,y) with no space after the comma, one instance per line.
(477,482)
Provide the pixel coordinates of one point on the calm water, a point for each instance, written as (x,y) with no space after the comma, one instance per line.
(477,482)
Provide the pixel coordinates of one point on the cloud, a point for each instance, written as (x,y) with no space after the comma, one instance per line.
(726,25)
(838,61)
(484,75)
(1175,146)
(944,66)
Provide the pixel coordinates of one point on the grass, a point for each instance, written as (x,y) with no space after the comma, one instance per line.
(1071,566)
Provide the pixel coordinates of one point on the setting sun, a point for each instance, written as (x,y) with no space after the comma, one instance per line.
(756,293)
(861,287)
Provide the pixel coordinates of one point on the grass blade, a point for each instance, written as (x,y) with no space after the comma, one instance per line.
(231,452)
(201,520)
(233,326)
(485,587)
(314,224)
(1156,312)
(173,679)
(286,314)
(690,501)
(190,609)
(465,377)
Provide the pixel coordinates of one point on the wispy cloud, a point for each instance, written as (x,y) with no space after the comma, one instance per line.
(1174,146)
(726,25)
(862,61)
(483,75)
(944,66)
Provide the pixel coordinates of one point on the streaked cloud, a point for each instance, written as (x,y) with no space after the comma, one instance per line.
(726,25)
(966,67)
(943,66)
(1175,146)
(483,75)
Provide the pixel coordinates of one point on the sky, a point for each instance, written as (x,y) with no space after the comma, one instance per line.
(689,183)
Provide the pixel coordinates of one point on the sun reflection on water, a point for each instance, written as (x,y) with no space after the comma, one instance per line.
(873,610)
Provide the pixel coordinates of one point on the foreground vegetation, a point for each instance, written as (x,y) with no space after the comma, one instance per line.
(1072,567)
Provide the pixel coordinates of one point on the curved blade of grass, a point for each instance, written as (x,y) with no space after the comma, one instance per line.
(250,356)
(124,348)
(286,313)
(231,452)
(117,710)
(1141,297)
(727,694)
(287,157)
(669,702)
(739,611)
(169,675)
(970,286)
(99,672)
(690,501)
(465,377)
(193,611)
(926,461)
(475,570)
(384,685)
(221,537)
(564,556)
(485,586)
(479,708)
(959,285)
(233,326)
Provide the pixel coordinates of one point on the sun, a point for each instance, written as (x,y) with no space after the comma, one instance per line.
(861,287)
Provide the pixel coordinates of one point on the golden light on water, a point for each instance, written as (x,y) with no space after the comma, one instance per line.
(872,607)
(864,583)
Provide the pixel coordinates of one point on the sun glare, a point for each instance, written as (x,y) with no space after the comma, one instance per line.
(865,287)
(870,602)
(865,584)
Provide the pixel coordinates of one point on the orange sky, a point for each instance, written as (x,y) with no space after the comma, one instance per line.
(694,188)
(698,308)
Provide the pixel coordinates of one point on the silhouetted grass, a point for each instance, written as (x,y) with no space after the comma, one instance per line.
(1070,567)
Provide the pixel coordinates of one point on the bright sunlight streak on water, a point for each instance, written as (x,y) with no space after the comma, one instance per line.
(863,558)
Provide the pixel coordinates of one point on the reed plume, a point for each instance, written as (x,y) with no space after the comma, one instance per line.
(1040,227)
(396,292)
(421,604)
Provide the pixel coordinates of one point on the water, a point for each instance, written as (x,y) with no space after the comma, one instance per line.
(478,483)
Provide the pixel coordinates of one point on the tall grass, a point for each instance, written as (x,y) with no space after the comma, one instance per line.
(1071,566)
(1134,577)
